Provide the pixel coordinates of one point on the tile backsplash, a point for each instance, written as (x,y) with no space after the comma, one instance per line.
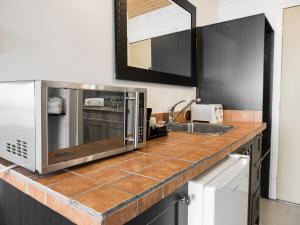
(243,116)
(229,115)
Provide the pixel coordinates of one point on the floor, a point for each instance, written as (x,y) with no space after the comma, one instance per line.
(279,213)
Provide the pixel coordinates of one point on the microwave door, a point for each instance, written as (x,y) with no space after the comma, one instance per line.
(103,120)
(93,124)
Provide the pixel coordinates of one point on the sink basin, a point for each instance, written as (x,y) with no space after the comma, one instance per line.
(200,128)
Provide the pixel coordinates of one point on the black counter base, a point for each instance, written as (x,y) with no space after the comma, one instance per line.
(17,208)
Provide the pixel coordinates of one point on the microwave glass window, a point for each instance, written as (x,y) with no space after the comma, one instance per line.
(103,117)
(90,123)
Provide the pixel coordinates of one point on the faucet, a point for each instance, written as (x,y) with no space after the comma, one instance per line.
(173,118)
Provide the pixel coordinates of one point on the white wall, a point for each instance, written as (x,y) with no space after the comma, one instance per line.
(233,9)
(70,40)
(166,20)
(288,185)
(207,11)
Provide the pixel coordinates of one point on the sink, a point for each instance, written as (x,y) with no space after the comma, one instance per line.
(200,128)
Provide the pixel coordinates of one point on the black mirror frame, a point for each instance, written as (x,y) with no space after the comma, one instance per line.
(125,72)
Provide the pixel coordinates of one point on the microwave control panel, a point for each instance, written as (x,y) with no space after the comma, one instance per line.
(141,117)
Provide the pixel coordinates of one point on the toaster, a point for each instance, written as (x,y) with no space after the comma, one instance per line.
(212,113)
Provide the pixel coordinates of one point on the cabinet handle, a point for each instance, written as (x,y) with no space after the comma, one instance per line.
(185,198)
(258,201)
(258,174)
(247,150)
(258,164)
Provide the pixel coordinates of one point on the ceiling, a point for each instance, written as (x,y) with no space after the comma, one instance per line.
(139,7)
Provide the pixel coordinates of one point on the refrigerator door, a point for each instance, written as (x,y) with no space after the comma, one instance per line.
(226,197)
(221,195)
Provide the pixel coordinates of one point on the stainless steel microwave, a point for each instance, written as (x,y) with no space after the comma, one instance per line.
(47,125)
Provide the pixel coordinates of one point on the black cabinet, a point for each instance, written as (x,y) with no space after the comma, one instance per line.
(17,208)
(255,207)
(169,211)
(255,180)
(254,149)
(234,68)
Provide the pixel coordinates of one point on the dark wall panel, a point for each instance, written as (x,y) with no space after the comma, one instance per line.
(234,68)
(230,61)
(171,53)
(267,109)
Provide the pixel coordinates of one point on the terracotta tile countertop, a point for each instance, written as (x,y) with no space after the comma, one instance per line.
(116,189)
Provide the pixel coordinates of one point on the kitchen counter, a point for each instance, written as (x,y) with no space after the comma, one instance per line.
(116,189)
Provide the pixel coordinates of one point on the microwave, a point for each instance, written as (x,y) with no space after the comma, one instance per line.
(48,125)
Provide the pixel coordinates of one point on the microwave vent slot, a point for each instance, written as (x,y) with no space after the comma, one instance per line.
(18,149)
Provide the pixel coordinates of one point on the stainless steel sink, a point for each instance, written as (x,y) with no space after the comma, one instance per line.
(200,128)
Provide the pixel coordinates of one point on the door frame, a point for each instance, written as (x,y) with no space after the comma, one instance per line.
(278,47)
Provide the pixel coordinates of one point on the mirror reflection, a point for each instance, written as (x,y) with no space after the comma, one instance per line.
(159,36)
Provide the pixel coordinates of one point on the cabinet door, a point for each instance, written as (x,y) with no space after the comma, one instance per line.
(257,149)
(17,208)
(255,207)
(169,211)
(255,179)
(255,176)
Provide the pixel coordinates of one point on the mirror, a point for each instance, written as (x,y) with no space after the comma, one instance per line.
(155,41)
(159,36)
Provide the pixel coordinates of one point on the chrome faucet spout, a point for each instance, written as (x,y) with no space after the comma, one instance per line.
(172,119)
(171,111)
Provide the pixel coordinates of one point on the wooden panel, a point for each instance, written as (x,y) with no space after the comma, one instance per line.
(243,116)
(139,7)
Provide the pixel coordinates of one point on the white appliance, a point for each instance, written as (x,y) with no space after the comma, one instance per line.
(212,113)
(220,196)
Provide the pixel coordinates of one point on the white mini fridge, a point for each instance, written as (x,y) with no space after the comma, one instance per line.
(220,196)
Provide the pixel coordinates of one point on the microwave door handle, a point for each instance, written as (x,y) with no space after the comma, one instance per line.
(125,118)
(126,121)
(136,120)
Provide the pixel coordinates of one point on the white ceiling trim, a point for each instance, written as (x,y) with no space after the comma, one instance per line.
(289,3)
(228,2)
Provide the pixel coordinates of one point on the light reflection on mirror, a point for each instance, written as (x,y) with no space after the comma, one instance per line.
(159,36)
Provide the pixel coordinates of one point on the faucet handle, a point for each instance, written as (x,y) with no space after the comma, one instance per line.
(198,100)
